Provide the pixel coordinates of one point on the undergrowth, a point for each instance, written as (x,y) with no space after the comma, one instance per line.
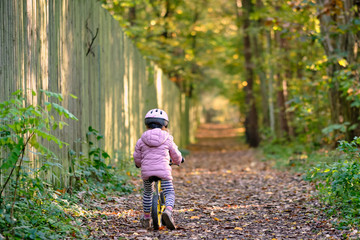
(295,156)
(338,184)
(32,204)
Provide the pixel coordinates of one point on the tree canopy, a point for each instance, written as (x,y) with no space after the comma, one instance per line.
(291,66)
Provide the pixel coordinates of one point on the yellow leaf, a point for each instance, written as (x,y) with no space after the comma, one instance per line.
(238,228)
(195,217)
(342,62)
(216,219)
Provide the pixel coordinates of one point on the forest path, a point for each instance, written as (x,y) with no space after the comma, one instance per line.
(224,192)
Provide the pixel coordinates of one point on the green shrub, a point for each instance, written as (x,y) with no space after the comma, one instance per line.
(30,205)
(42,217)
(29,208)
(338,183)
(96,168)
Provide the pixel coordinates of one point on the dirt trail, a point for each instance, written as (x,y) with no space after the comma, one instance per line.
(224,192)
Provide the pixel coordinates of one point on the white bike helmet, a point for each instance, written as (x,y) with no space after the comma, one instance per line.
(156,117)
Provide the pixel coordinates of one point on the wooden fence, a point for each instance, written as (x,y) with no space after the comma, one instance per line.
(76,47)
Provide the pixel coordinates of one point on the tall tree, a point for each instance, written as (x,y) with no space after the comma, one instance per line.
(260,65)
(251,116)
(281,86)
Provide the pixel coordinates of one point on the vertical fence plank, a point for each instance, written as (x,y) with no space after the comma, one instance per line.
(2,77)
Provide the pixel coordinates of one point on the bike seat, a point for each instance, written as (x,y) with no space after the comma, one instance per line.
(154,178)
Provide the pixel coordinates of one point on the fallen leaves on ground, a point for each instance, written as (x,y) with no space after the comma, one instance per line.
(224,192)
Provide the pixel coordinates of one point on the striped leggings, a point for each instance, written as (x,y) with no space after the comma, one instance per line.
(168,189)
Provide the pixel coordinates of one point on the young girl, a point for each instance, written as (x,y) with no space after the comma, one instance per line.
(152,154)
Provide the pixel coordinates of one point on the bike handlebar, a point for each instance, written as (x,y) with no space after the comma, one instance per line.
(182,161)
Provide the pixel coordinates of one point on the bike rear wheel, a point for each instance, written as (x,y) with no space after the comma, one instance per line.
(156,212)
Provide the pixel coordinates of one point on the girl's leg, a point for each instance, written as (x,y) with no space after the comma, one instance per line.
(147,197)
(167,218)
(169,192)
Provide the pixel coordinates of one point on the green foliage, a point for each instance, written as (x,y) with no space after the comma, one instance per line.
(177,35)
(338,183)
(337,129)
(22,125)
(43,216)
(293,156)
(97,155)
(31,207)
(93,170)
(28,210)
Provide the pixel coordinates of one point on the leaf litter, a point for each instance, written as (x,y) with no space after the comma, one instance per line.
(223,192)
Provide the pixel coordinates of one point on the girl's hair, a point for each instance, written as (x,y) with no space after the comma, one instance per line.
(154,125)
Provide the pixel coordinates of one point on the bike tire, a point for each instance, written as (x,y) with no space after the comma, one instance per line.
(156,212)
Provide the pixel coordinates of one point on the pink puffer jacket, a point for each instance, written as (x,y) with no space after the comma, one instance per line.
(153,152)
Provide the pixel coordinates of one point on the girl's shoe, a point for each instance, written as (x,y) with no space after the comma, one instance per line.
(167,219)
(145,222)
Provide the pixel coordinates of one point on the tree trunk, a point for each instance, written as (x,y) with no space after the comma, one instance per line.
(251,119)
(282,123)
(288,76)
(258,50)
(280,99)
(270,84)
(132,15)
